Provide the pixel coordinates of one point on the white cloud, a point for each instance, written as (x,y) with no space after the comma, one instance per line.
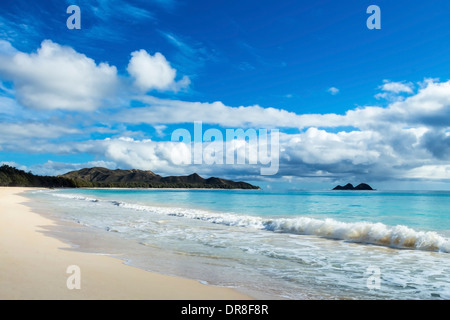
(164,111)
(304,154)
(10,131)
(408,139)
(320,147)
(6,49)
(30,137)
(333,90)
(160,129)
(57,168)
(429,172)
(58,77)
(430,106)
(397,87)
(143,154)
(380,143)
(154,72)
(392,90)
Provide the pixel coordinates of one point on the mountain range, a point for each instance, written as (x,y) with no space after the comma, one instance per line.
(105,178)
(132,178)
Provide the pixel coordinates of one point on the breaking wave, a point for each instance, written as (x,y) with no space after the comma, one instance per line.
(398,236)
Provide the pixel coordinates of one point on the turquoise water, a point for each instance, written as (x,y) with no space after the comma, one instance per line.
(322,244)
(423,210)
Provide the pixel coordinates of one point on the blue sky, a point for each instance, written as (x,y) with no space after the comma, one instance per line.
(351,104)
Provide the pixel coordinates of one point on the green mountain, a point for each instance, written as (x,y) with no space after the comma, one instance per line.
(106,178)
(133,178)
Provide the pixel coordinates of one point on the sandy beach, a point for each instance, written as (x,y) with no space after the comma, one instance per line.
(34,265)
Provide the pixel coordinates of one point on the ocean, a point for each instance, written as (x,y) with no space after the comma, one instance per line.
(271,245)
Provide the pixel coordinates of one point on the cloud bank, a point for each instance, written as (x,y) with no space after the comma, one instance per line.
(409,139)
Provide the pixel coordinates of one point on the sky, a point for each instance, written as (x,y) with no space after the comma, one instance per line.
(340,102)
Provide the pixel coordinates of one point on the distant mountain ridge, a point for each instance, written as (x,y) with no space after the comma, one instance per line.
(349,186)
(132,178)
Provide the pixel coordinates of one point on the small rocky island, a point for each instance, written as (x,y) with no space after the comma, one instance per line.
(349,186)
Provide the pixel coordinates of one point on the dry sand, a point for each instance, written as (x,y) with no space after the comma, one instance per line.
(34,265)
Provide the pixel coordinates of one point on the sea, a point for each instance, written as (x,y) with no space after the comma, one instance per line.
(271,245)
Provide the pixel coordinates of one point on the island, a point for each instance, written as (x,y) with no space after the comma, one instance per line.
(98,177)
(349,186)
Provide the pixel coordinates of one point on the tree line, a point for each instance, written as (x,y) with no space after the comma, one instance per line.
(13,177)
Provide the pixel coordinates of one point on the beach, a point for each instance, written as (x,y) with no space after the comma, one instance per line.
(177,244)
(34,265)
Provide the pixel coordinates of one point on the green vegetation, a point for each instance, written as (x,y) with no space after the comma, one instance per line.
(98,177)
(12,177)
(89,184)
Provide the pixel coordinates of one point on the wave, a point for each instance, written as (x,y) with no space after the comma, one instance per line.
(398,236)
(75,197)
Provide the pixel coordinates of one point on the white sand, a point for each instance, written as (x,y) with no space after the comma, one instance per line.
(33,266)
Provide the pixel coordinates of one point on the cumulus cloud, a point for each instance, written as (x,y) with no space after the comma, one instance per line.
(320,147)
(162,157)
(407,139)
(170,157)
(154,72)
(58,77)
(379,142)
(429,106)
(314,152)
(360,154)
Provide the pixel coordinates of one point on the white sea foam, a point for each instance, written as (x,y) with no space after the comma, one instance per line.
(74,197)
(398,236)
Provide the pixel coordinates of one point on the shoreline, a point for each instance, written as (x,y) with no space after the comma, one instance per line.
(33,265)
